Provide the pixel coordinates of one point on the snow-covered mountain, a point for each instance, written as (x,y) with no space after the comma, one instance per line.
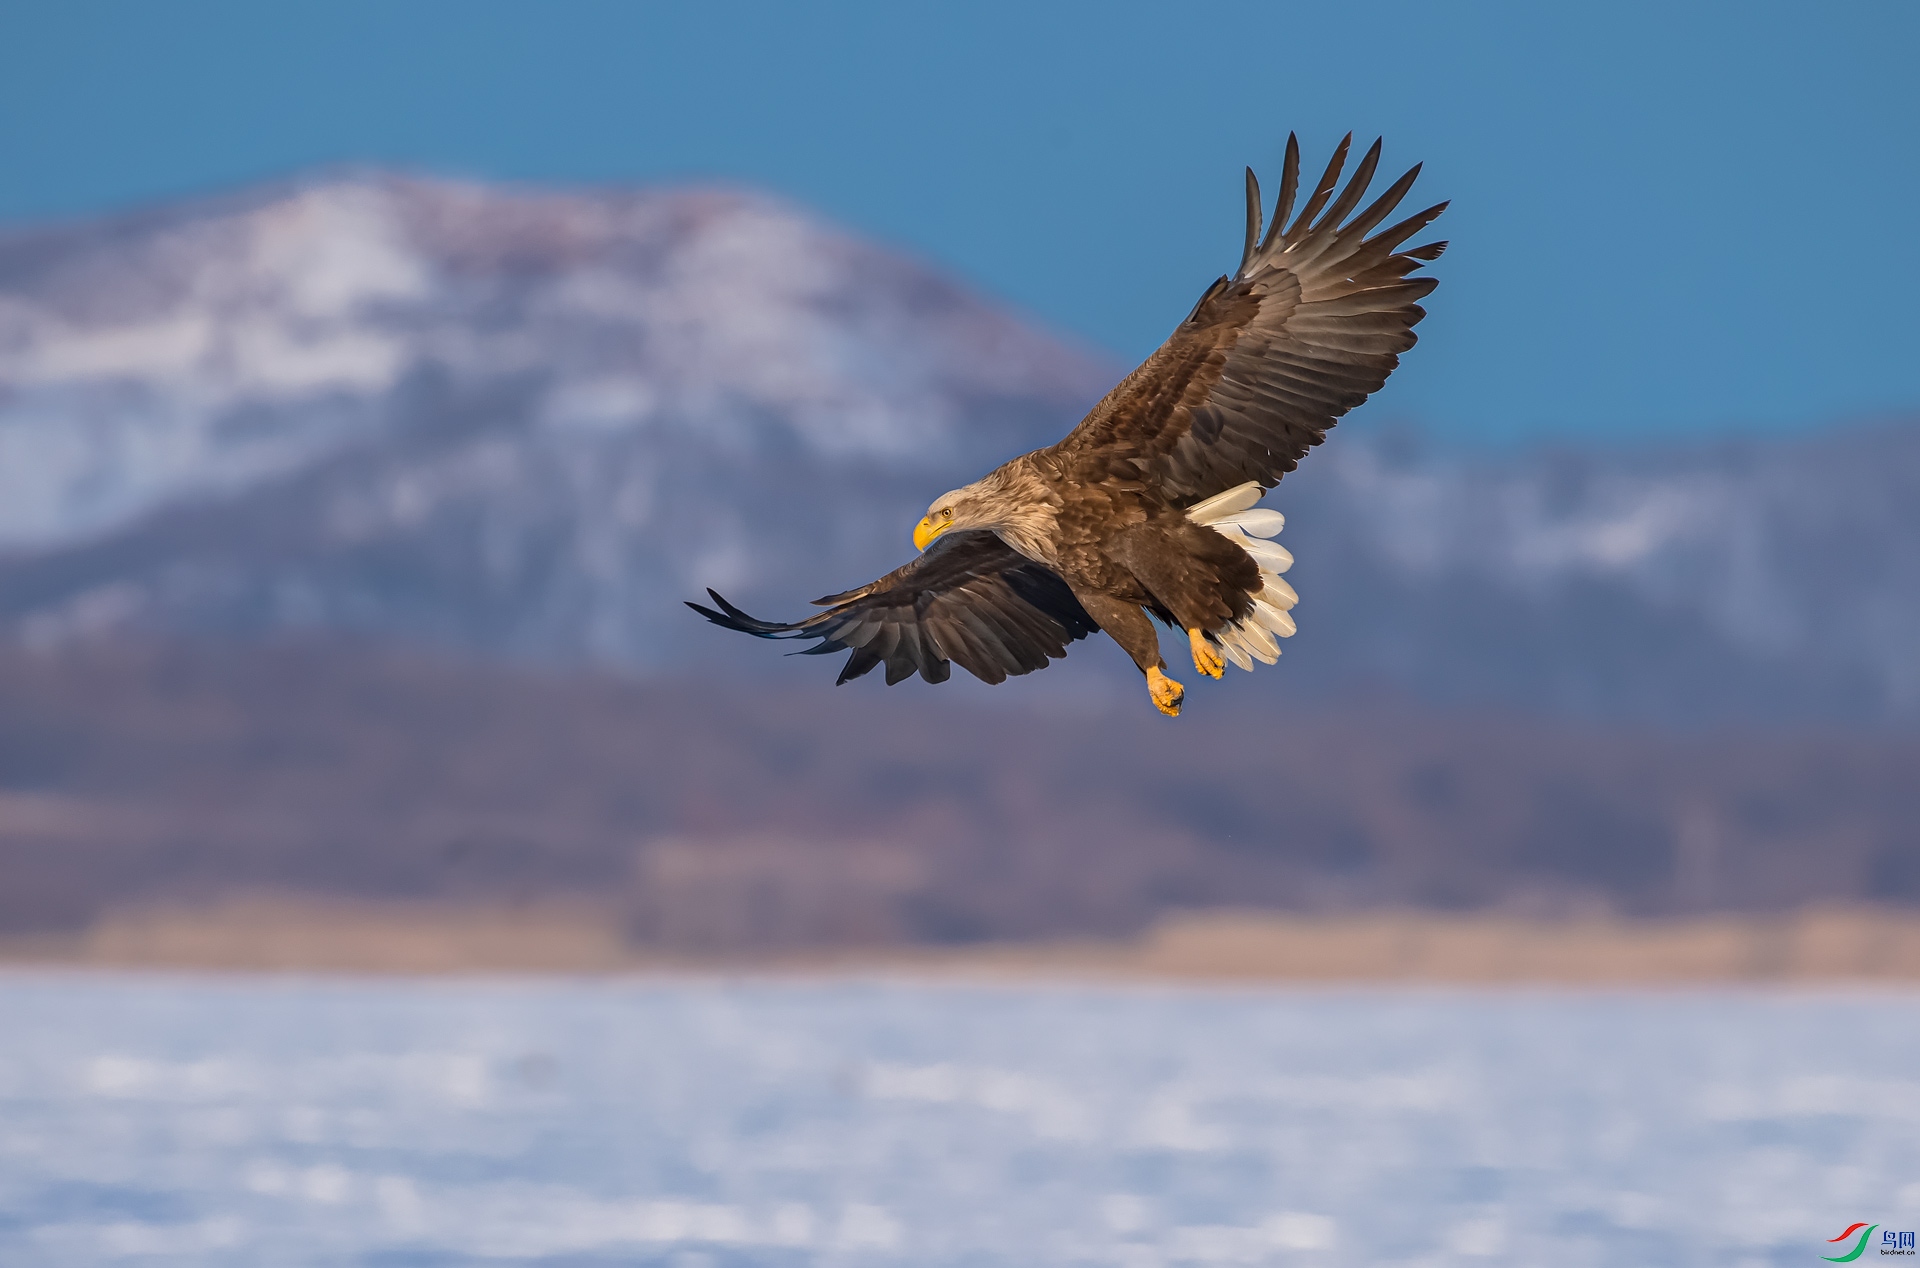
(1753,578)
(528,423)
(525,422)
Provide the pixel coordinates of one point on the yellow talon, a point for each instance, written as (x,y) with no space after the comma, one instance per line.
(1205,659)
(1166,693)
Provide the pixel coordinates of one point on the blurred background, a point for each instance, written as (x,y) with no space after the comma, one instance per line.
(375,383)
(377,380)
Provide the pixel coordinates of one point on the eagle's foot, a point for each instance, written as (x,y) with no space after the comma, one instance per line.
(1206,658)
(1167,694)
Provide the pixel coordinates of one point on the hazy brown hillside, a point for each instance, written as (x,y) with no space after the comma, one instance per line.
(724,817)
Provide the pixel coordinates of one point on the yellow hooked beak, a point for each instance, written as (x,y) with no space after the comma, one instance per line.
(927,529)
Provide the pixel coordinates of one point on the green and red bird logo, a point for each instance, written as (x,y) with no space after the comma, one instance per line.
(1859,1247)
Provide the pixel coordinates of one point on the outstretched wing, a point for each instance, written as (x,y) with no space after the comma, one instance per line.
(1310,325)
(969,598)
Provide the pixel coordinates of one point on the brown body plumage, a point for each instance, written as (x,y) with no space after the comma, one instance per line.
(1143,508)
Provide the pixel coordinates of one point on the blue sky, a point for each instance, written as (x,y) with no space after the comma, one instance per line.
(1669,219)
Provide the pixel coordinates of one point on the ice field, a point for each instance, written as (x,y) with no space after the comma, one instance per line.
(704,1124)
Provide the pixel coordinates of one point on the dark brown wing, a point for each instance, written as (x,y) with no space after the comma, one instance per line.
(969,598)
(1310,326)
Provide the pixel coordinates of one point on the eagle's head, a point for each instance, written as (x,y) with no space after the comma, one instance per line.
(961,508)
(1009,501)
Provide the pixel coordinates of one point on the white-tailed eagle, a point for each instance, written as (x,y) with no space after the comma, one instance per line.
(1148,505)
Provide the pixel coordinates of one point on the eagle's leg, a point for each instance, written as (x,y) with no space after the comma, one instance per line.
(1128,625)
(1167,694)
(1205,658)
(1193,574)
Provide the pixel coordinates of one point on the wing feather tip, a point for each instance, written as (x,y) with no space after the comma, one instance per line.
(1253,221)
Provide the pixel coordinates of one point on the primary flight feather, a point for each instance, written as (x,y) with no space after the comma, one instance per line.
(1148,506)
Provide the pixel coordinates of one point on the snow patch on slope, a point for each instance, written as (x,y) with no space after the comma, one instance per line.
(141,366)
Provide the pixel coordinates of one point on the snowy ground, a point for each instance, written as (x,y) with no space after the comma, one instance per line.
(253,1122)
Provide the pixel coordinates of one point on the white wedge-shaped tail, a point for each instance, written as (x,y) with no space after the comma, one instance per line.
(1233,514)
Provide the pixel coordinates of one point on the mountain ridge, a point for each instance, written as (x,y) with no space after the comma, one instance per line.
(527,423)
